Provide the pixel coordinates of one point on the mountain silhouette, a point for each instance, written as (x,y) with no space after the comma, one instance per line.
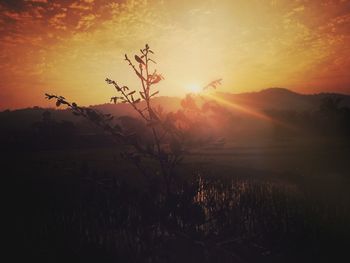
(281,99)
(267,99)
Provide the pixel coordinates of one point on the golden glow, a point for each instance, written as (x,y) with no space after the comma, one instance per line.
(194,88)
(70,47)
(252,112)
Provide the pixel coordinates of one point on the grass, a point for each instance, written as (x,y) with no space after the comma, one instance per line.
(265,204)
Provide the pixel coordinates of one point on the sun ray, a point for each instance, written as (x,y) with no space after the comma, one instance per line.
(249,111)
(194,88)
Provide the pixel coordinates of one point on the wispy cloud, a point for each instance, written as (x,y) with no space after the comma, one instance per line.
(71,46)
(37,1)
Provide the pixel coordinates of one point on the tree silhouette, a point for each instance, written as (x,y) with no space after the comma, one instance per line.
(330,105)
(167,146)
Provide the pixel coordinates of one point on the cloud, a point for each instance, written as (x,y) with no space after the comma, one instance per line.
(80,6)
(58,21)
(86,21)
(37,1)
(12,15)
(15,5)
(250,44)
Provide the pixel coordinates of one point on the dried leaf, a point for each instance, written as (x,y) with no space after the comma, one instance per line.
(155,93)
(114,99)
(139,60)
(140,76)
(142,95)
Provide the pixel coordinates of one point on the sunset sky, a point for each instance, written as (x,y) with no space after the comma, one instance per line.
(69,47)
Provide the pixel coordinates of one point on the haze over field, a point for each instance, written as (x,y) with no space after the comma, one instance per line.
(69,47)
(176,130)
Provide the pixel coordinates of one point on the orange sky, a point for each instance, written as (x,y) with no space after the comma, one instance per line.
(69,47)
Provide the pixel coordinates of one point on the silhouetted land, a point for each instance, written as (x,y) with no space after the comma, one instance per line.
(257,192)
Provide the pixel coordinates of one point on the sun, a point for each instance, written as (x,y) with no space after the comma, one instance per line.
(194,88)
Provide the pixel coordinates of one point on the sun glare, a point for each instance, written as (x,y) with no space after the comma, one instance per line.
(194,88)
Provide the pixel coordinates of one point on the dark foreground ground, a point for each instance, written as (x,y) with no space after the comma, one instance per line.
(281,201)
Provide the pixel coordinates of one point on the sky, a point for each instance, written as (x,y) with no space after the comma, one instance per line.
(69,47)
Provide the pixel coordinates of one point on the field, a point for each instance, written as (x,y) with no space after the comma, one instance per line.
(245,201)
(160,131)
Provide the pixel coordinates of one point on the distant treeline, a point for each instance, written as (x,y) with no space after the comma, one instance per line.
(38,128)
(47,128)
(330,119)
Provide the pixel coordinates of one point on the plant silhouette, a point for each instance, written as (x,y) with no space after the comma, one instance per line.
(214,214)
(169,139)
(164,133)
